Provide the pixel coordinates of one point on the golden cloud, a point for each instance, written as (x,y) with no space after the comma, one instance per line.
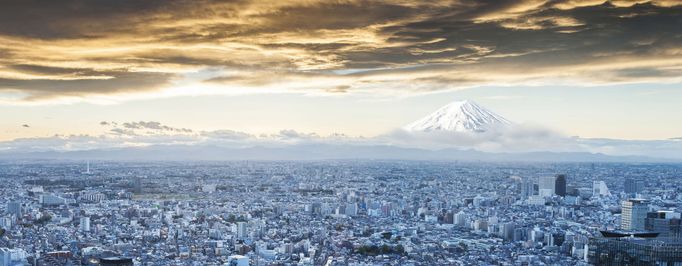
(393,47)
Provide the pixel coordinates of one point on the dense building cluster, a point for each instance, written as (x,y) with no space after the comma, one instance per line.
(337,213)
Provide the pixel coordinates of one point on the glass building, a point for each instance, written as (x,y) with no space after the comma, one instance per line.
(634,249)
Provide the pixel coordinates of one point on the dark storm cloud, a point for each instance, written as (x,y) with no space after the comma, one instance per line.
(47,19)
(51,49)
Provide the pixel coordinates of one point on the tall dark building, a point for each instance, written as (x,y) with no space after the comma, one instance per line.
(560,185)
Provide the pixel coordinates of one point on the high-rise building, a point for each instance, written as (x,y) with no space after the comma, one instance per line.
(632,186)
(599,189)
(666,223)
(241,230)
(14,208)
(85,224)
(527,188)
(462,219)
(560,185)
(546,186)
(507,231)
(634,214)
(616,249)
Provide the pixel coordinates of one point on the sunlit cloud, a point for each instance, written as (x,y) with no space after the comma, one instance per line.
(123,50)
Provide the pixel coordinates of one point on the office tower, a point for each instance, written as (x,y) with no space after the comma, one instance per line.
(560,185)
(546,186)
(632,186)
(599,188)
(462,219)
(508,231)
(14,208)
(666,223)
(527,188)
(634,214)
(241,230)
(623,249)
(85,224)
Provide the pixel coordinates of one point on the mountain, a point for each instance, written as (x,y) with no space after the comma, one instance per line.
(313,152)
(460,116)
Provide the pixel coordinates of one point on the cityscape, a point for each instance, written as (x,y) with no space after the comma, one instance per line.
(340,132)
(340,213)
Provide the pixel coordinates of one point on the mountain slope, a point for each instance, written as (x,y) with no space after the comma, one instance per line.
(461,116)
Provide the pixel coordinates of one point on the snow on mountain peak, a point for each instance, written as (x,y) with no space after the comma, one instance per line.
(460,116)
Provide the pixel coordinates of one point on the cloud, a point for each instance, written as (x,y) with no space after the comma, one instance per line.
(141,128)
(227,134)
(514,139)
(88,49)
(122,82)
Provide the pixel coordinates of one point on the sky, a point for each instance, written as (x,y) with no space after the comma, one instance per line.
(587,68)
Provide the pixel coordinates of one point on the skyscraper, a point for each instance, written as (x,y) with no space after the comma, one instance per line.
(546,186)
(560,185)
(634,214)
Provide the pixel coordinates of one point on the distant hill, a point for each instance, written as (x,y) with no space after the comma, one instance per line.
(315,152)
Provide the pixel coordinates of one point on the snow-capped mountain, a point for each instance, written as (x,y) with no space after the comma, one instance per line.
(460,116)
